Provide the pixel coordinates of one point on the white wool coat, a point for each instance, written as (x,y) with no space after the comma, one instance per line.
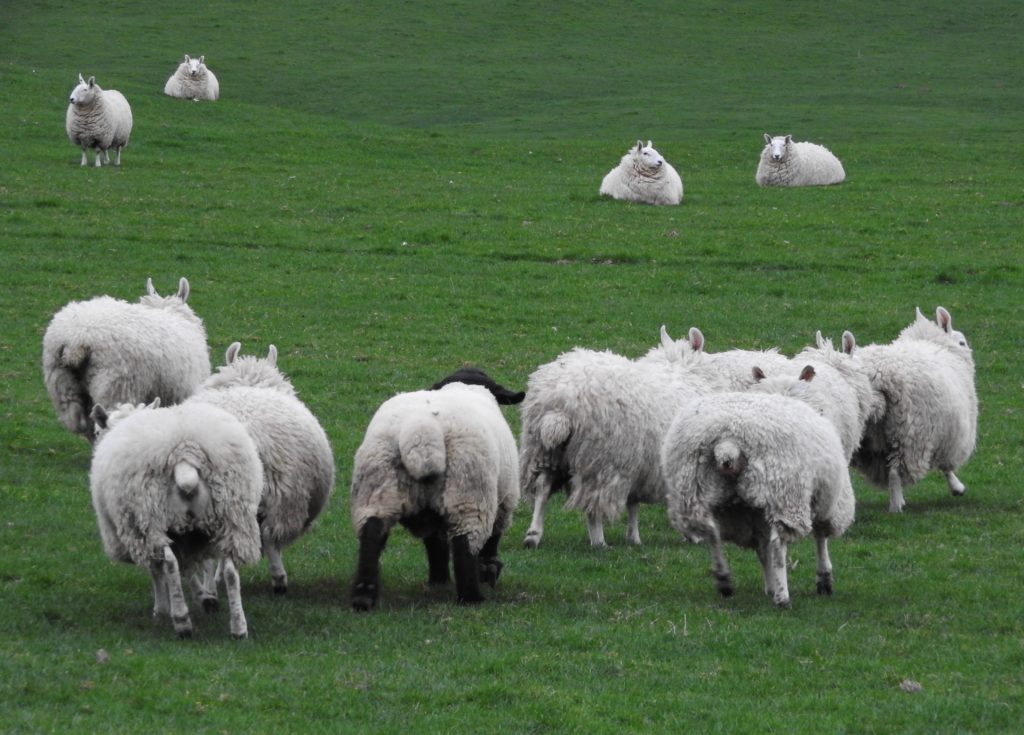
(193,80)
(802,164)
(794,471)
(449,451)
(106,351)
(643,176)
(134,489)
(599,419)
(99,119)
(298,464)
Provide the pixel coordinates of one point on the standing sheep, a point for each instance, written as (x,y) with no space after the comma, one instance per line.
(192,80)
(107,351)
(443,464)
(173,488)
(99,119)
(643,176)
(762,471)
(785,163)
(593,423)
(930,419)
(298,465)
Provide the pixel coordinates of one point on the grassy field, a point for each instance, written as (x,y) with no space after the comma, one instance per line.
(388,191)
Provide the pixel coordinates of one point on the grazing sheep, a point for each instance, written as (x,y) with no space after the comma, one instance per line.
(192,80)
(476,376)
(107,351)
(785,163)
(643,176)
(593,423)
(298,465)
(762,471)
(173,488)
(930,420)
(100,119)
(443,464)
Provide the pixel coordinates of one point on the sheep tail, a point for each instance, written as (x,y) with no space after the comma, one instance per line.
(186,477)
(421,447)
(555,429)
(729,459)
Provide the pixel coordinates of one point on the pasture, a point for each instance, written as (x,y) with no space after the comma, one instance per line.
(388,191)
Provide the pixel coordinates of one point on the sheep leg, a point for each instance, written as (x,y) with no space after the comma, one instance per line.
(777,561)
(204,585)
(161,606)
(825,579)
(366,587)
(278,575)
(767,571)
(85,158)
(536,529)
(490,564)
(896,501)
(467,572)
(595,530)
(956,487)
(176,596)
(233,586)
(98,160)
(117,152)
(719,565)
(633,524)
(437,557)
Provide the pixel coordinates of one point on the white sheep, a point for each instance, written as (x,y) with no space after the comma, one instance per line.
(100,119)
(593,423)
(173,488)
(643,176)
(298,465)
(732,370)
(786,163)
(107,351)
(443,464)
(930,418)
(762,471)
(192,80)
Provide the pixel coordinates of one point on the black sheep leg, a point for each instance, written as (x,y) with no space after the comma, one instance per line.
(467,572)
(366,586)
(437,557)
(490,565)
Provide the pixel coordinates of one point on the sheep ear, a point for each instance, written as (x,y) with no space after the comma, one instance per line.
(818,339)
(666,341)
(80,80)
(807,374)
(696,339)
(789,139)
(918,316)
(92,81)
(639,145)
(202,58)
(99,416)
(187,58)
(944,320)
(767,138)
(183,289)
(155,403)
(232,352)
(272,355)
(650,144)
(149,287)
(758,374)
(849,343)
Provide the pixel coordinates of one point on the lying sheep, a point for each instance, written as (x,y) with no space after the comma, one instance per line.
(785,163)
(443,464)
(192,80)
(298,465)
(930,418)
(100,119)
(107,351)
(173,488)
(643,176)
(593,423)
(762,471)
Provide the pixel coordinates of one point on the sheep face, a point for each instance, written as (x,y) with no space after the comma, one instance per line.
(84,92)
(645,158)
(195,67)
(779,146)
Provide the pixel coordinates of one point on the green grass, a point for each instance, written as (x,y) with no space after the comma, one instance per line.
(388,192)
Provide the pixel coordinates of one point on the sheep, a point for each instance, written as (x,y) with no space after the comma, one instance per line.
(762,471)
(643,176)
(841,391)
(785,163)
(298,464)
(930,419)
(192,80)
(100,119)
(593,423)
(443,464)
(732,370)
(175,487)
(108,351)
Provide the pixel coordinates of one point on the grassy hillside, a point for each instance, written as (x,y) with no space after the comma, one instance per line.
(387,192)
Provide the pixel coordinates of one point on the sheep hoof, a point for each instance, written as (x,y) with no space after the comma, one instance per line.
(490,570)
(532,540)
(210,604)
(240,636)
(364,596)
(470,599)
(782,604)
(280,590)
(825,585)
(723,583)
(184,633)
